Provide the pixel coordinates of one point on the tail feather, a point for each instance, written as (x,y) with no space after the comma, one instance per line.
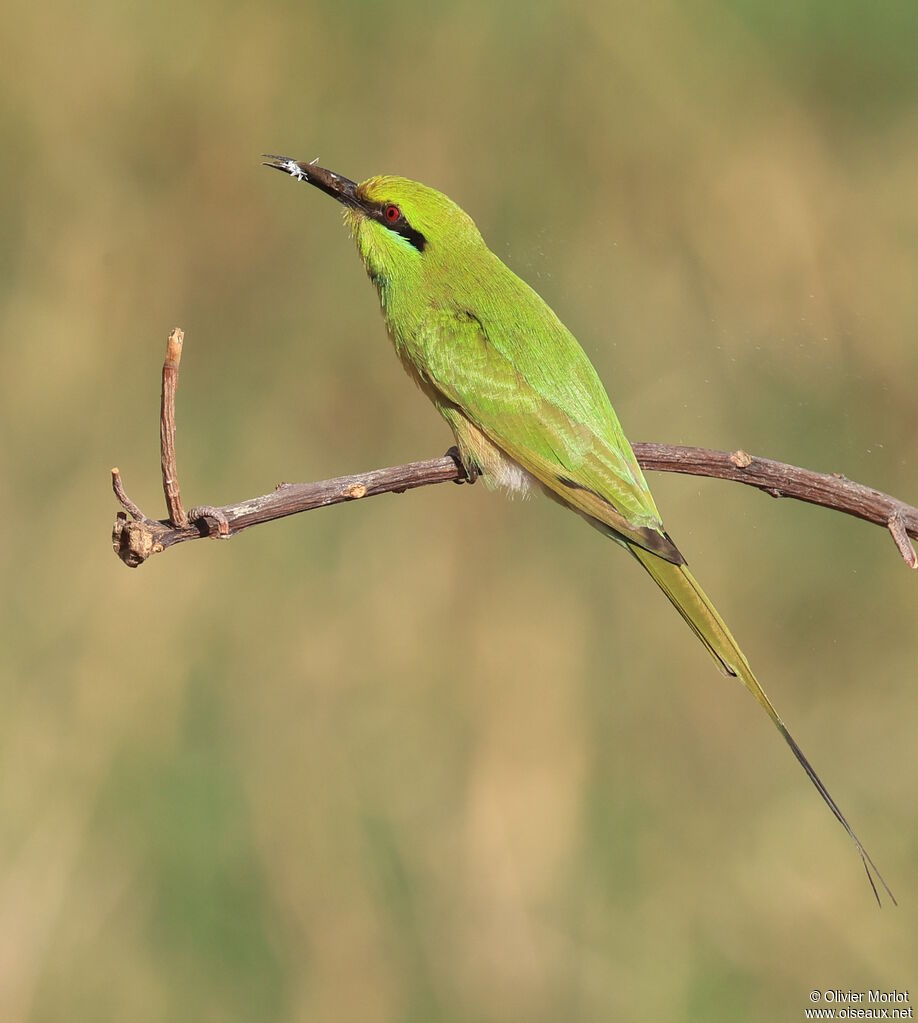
(692,603)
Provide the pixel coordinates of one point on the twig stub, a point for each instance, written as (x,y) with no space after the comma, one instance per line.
(123,499)
(171,488)
(898,532)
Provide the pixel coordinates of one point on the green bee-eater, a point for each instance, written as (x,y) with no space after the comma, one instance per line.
(524,402)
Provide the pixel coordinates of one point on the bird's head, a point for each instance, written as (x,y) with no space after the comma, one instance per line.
(402,228)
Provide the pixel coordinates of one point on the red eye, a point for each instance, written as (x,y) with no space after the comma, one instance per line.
(392,213)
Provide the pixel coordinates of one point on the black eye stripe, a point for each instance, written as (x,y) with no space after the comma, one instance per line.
(400,225)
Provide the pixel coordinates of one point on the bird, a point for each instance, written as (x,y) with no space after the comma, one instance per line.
(526,406)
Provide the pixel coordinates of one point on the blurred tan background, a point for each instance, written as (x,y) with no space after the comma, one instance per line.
(445,756)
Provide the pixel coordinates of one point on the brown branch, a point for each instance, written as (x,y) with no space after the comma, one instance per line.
(137,538)
(781,480)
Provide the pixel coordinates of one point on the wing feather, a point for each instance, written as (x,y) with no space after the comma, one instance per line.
(550,414)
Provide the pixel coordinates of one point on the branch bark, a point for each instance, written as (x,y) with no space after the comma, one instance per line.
(135,537)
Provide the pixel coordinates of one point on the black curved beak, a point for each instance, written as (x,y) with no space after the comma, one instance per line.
(338,187)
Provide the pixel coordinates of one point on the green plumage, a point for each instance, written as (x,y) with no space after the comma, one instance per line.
(523,400)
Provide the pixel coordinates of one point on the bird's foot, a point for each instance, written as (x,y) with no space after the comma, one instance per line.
(470,472)
(204,512)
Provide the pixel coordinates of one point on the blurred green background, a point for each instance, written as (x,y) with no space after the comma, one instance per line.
(446,756)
